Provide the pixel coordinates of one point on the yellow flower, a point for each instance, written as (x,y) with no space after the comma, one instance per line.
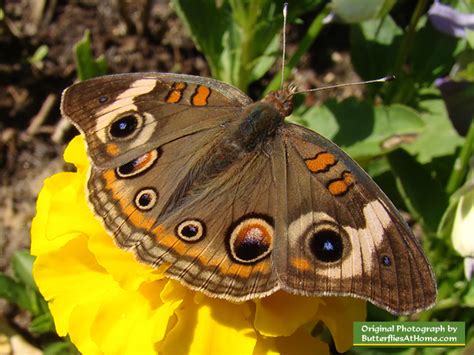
(108,303)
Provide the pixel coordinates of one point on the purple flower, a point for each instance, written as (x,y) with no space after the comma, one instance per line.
(450,21)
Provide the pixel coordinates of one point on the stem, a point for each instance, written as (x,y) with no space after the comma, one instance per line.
(462,162)
(409,37)
(306,42)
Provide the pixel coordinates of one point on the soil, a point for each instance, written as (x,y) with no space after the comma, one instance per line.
(32,134)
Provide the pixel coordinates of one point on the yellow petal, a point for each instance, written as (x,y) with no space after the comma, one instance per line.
(266,346)
(68,277)
(339,313)
(162,308)
(81,320)
(173,291)
(212,327)
(75,153)
(127,324)
(282,313)
(62,214)
(121,264)
(301,342)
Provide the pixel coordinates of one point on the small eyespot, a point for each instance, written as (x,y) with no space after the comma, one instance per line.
(146,199)
(103,99)
(191,230)
(326,245)
(124,127)
(127,168)
(386,261)
(139,165)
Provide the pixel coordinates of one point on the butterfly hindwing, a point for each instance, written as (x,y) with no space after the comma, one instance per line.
(205,231)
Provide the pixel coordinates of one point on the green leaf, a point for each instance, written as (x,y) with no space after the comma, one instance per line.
(439,138)
(208,35)
(442,50)
(60,348)
(353,11)
(374,46)
(38,56)
(87,66)
(16,293)
(42,324)
(22,264)
(423,195)
(464,70)
(360,128)
(470,37)
(28,296)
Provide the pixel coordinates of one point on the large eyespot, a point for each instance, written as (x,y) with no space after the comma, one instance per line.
(146,199)
(326,242)
(126,126)
(191,230)
(251,239)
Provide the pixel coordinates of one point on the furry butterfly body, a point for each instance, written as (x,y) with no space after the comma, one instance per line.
(237,203)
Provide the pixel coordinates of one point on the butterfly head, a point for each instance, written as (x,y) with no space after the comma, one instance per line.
(282,99)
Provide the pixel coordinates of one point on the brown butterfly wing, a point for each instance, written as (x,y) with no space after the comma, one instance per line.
(236,209)
(196,227)
(342,235)
(125,116)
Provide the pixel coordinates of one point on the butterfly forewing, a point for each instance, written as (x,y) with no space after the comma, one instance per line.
(125,116)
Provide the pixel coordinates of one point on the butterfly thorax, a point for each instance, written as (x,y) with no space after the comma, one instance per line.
(261,120)
(259,123)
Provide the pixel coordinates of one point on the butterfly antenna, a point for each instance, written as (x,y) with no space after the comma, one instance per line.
(379,80)
(285,13)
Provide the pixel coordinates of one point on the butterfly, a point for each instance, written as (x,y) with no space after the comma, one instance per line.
(189,172)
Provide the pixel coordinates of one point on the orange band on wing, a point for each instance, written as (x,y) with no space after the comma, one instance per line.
(131,213)
(176,93)
(321,162)
(341,186)
(348,178)
(200,96)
